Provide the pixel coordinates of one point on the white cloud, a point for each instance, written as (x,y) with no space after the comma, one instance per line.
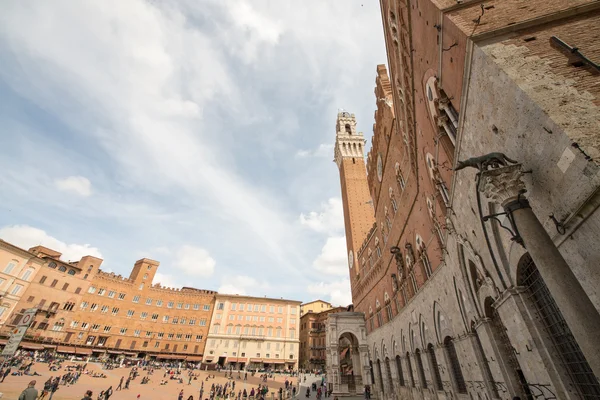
(333,259)
(78,185)
(194,261)
(26,237)
(166,280)
(337,292)
(324,150)
(329,220)
(241,285)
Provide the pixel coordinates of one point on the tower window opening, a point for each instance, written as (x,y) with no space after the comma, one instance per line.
(348,129)
(353,161)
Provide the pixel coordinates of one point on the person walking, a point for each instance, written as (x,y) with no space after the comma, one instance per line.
(53,387)
(30,393)
(108,393)
(127,382)
(180,397)
(88,395)
(120,384)
(5,374)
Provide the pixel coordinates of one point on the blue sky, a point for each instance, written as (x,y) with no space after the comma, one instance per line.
(196,133)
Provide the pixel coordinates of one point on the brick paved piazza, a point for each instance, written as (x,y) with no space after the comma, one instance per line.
(14,385)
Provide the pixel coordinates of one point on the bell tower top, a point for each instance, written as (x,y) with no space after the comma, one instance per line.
(348,142)
(358,210)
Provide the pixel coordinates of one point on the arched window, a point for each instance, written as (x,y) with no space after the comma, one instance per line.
(422,250)
(388,221)
(377,248)
(399,371)
(410,371)
(27,274)
(420,369)
(399,176)
(71,272)
(455,370)
(216,328)
(437,378)
(230,328)
(383,232)
(393,200)
(380,376)
(246,330)
(370,256)
(388,367)
(52,264)
(348,129)
(62,268)
(238,329)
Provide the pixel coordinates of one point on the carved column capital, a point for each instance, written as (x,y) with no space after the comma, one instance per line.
(502,185)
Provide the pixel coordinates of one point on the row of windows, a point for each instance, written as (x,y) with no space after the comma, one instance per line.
(25,274)
(143,315)
(253,307)
(91,340)
(54,283)
(137,332)
(252,330)
(242,344)
(149,301)
(254,318)
(62,268)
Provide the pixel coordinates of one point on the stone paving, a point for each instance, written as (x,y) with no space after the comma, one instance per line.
(14,385)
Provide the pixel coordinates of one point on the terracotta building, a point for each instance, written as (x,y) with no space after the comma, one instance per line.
(18,268)
(254,333)
(83,310)
(315,306)
(312,333)
(480,282)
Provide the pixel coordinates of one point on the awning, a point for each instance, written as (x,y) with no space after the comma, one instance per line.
(256,360)
(209,359)
(193,358)
(172,356)
(87,352)
(49,346)
(114,352)
(31,346)
(99,350)
(130,354)
(277,361)
(65,349)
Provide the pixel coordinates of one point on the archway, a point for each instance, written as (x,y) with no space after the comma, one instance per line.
(349,357)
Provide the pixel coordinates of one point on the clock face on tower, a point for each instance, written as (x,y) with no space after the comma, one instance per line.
(350,259)
(379,167)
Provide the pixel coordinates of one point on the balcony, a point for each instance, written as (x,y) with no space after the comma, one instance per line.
(318,347)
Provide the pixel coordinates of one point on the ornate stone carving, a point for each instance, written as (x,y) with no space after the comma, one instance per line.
(502,184)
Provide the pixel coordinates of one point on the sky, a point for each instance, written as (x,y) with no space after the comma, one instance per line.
(198,133)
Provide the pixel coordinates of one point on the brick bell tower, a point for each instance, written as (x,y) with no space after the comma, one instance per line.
(358,206)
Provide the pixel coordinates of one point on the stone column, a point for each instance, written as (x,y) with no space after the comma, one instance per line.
(505,186)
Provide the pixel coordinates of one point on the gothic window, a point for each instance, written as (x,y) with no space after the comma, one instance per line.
(399,371)
(388,221)
(399,176)
(422,249)
(420,369)
(377,248)
(413,281)
(348,129)
(370,256)
(383,233)
(410,371)
(455,370)
(437,378)
(393,200)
